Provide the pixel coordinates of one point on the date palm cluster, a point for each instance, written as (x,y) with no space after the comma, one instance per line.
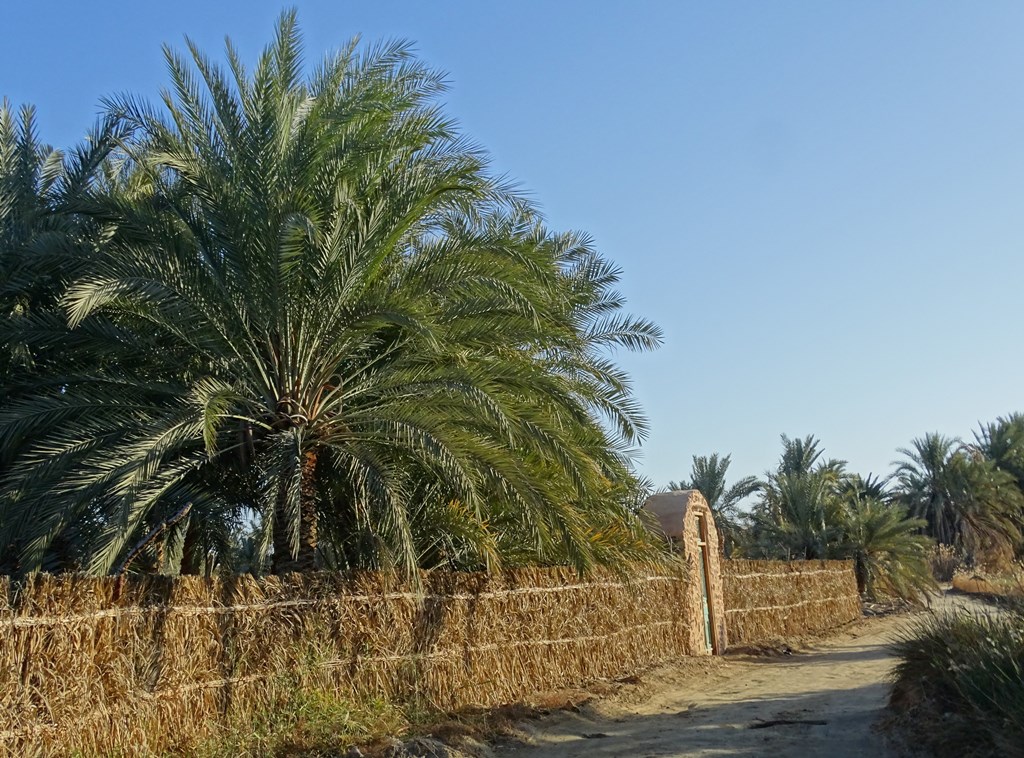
(965,498)
(289,318)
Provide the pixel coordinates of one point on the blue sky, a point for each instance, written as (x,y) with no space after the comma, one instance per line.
(820,203)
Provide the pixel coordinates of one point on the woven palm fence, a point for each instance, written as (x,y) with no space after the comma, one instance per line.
(151,666)
(770,600)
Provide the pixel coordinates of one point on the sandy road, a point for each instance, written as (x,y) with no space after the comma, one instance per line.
(825,700)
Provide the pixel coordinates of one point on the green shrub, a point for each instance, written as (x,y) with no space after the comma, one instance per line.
(960,681)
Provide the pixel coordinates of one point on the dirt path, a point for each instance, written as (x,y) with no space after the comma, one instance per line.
(822,701)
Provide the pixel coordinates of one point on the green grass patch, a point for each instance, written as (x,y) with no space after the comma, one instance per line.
(311,723)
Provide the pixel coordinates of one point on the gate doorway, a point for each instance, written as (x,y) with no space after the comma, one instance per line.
(687,522)
(705,587)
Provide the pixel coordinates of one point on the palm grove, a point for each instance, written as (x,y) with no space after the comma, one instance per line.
(286,319)
(947,502)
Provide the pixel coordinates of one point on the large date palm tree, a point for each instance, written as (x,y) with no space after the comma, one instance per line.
(352,331)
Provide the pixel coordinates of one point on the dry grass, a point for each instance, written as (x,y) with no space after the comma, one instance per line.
(1003,585)
(945,561)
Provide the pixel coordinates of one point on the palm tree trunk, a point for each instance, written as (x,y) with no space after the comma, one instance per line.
(305,559)
(190,558)
(861,570)
(283,561)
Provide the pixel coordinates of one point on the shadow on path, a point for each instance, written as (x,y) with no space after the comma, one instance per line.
(825,702)
(841,724)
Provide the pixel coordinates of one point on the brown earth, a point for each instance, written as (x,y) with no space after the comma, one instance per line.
(825,698)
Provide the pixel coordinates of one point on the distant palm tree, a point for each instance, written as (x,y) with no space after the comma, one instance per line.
(925,481)
(871,487)
(708,476)
(803,456)
(799,455)
(1002,442)
(890,555)
(812,508)
(44,235)
(965,500)
(798,516)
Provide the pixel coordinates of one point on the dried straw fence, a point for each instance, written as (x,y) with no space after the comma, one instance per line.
(152,666)
(768,600)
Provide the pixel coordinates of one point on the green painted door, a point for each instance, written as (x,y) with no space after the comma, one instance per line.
(704,591)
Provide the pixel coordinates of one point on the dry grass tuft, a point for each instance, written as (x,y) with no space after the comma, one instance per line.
(1005,585)
(945,562)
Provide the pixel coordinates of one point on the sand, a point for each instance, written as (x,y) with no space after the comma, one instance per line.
(825,699)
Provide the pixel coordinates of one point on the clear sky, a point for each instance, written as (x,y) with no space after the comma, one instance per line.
(820,203)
